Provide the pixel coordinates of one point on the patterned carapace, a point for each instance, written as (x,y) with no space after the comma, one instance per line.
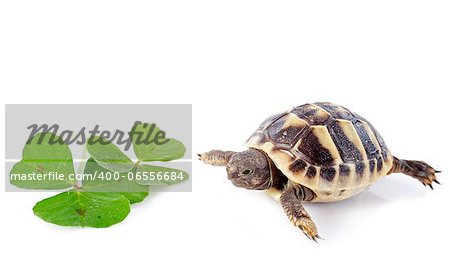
(325,147)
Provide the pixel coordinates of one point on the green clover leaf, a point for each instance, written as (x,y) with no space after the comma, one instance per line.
(43,155)
(171,150)
(76,208)
(108,155)
(103,180)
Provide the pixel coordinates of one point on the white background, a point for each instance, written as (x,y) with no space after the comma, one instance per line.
(239,62)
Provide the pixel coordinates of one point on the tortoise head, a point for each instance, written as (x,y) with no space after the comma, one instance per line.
(250,169)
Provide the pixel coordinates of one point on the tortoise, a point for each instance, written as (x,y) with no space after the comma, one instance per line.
(319,152)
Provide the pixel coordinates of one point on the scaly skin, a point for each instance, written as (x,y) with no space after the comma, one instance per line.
(291,200)
(416,169)
(216,157)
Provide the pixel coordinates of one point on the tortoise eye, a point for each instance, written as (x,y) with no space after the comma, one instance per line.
(247,172)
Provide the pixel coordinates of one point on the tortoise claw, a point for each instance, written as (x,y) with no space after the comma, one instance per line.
(428,177)
(314,238)
(419,170)
(317,237)
(428,181)
(308,228)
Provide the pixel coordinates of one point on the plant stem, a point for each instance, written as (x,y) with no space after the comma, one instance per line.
(81,166)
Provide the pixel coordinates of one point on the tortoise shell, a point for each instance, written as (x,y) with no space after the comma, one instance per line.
(325,147)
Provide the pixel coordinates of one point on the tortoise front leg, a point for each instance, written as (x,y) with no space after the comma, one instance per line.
(291,200)
(216,157)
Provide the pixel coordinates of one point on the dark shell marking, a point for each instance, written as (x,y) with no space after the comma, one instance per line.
(372,165)
(279,134)
(347,149)
(380,141)
(328,173)
(359,168)
(336,111)
(298,166)
(344,170)
(311,114)
(371,149)
(311,172)
(266,123)
(379,163)
(314,151)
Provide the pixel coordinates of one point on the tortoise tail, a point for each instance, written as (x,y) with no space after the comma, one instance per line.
(416,169)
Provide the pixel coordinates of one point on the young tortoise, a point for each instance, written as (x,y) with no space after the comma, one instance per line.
(319,152)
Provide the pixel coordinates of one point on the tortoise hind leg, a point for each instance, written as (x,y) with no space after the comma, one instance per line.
(291,200)
(416,169)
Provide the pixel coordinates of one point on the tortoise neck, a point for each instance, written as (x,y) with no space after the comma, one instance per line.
(277,179)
